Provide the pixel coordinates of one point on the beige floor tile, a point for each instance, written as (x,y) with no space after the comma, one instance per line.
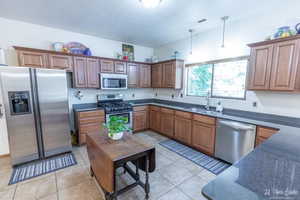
(167,153)
(50,197)
(192,187)
(5,164)
(7,194)
(207,175)
(189,165)
(174,194)
(36,189)
(4,179)
(176,173)
(162,161)
(72,176)
(86,190)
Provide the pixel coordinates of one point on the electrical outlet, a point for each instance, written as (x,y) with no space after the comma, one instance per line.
(133,95)
(254,104)
(172,96)
(156,94)
(181,95)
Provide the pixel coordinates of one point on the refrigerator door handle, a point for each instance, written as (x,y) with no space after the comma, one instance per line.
(1,111)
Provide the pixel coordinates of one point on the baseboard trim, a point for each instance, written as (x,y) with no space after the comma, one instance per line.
(4,155)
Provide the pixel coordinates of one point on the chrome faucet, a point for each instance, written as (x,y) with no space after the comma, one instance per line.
(207,105)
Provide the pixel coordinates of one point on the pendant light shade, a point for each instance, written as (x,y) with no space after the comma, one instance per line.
(191,38)
(224,19)
(150,3)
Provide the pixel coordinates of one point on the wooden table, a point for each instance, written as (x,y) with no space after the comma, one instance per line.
(107,155)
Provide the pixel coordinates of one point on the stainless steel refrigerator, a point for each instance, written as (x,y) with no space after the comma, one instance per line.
(36,108)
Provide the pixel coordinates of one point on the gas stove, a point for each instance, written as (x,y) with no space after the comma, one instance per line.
(113,106)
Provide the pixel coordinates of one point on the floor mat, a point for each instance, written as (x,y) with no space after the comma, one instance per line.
(211,164)
(41,167)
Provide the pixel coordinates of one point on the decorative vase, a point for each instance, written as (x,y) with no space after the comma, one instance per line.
(116,136)
(282,32)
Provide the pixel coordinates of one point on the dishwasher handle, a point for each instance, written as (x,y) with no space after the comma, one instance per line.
(237,125)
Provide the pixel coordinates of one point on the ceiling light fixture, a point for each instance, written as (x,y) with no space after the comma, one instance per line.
(150,3)
(191,32)
(224,19)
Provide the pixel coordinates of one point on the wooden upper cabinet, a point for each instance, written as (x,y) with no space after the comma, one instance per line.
(80,73)
(120,67)
(156,77)
(145,76)
(133,75)
(168,80)
(33,59)
(260,68)
(107,66)
(274,65)
(285,65)
(61,62)
(92,73)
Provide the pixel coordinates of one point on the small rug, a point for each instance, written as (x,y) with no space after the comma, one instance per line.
(41,167)
(211,164)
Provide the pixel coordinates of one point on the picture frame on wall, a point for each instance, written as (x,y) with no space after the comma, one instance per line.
(128,52)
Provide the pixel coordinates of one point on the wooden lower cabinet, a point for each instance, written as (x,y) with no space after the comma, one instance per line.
(183,130)
(140,118)
(155,119)
(167,122)
(203,137)
(263,133)
(89,121)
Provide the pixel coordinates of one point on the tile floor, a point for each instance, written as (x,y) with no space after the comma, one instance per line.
(175,178)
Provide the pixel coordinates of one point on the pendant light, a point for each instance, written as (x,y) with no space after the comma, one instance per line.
(191,37)
(224,19)
(150,3)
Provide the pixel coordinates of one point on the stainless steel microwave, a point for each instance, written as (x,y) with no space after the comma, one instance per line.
(113,81)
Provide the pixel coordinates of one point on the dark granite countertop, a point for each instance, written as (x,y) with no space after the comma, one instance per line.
(86,107)
(271,171)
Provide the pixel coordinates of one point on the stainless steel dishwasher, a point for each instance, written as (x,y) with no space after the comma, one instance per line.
(234,140)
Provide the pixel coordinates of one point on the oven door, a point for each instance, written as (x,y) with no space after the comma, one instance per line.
(128,115)
(113,81)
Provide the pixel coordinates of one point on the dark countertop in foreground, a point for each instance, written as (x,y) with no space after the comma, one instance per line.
(271,171)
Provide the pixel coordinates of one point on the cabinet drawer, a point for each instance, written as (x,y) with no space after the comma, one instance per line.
(204,119)
(166,110)
(155,108)
(91,120)
(265,132)
(91,113)
(140,108)
(86,128)
(184,114)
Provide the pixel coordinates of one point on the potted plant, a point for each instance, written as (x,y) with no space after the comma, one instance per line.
(116,127)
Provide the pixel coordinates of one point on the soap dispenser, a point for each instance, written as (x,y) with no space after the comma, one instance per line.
(219,107)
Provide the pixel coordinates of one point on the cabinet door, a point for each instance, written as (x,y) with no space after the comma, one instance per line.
(168,75)
(120,67)
(155,120)
(60,62)
(167,124)
(79,72)
(263,133)
(92,73)
(107,66)
(203,137)
(133,75)
(285,64)
(260,68)
(156,77)
(145,76)
(183,130)
(32,59)
(140,120)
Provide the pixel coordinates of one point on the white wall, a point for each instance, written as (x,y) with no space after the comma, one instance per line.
(238,35)
(16,33)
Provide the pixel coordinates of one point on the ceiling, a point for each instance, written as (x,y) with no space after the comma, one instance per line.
(127,20)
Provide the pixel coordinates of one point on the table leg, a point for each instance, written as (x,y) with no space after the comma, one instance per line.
(91,172)
(137,170)
(147,185)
